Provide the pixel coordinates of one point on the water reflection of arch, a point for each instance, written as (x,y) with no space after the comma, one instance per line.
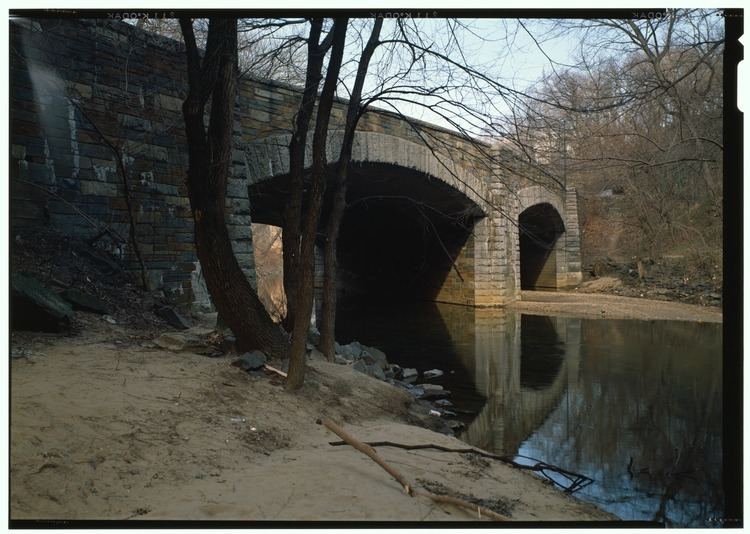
(513,409)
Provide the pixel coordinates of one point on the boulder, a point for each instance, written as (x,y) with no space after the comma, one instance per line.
(376,372)
(34,307)
(252,361)
(174,319)
(351,352)
(432,373)
(401,384)
(339,359)
(435,393)
(416,392)
(361,366)
(409,374)
(83,301)
(375,356)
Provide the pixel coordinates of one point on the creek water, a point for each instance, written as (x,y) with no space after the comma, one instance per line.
(635,405)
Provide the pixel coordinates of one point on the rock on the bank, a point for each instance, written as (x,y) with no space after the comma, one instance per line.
(252,361)
(409,374)
(83,301)
(375,356)
(34,307)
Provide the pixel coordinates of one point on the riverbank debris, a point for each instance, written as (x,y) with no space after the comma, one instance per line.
(432,373)
(576,481)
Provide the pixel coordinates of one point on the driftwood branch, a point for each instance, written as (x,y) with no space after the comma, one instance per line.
(576,480)
(274,370)
(369,451)
(444,499)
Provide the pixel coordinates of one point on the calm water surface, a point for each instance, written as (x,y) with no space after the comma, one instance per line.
(635,405)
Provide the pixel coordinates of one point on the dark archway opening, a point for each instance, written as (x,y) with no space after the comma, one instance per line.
(540,226)
(401,234)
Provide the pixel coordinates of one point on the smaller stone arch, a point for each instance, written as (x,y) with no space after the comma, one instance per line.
(547,239)
(540,228)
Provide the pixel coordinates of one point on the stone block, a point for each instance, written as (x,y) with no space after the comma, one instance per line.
(89,187)
(261,116)
(18,151)
(170,102)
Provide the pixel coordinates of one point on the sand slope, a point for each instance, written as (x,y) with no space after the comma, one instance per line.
(107,427)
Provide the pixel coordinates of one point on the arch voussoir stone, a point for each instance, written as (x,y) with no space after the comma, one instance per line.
(263,163)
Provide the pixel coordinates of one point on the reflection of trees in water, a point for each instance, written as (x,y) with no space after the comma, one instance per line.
(654,398)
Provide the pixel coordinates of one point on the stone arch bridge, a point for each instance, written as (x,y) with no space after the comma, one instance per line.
(430,214)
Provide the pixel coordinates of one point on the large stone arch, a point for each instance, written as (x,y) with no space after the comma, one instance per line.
(480,260)
(269,157)
(566,246)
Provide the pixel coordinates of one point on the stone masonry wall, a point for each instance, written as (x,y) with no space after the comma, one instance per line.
(77,86)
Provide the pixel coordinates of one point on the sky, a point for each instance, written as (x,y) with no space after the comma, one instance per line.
(501,49)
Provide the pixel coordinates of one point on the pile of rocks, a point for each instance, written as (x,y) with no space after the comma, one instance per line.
(430,402)
(367,360)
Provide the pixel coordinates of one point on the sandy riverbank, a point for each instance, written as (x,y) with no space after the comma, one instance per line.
(105,426)
(600,306)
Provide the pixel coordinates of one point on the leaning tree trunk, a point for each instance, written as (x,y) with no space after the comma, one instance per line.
(209,154)
(303,306)
(328,312)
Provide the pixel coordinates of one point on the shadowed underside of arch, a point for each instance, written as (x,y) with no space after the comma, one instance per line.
(547,236)
(540,227)
(414,226)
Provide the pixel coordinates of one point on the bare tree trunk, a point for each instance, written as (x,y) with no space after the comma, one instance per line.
(293,212)
(328,312)
(209,153)
(303,304)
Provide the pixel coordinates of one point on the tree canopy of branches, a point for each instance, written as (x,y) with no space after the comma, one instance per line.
(640,113)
